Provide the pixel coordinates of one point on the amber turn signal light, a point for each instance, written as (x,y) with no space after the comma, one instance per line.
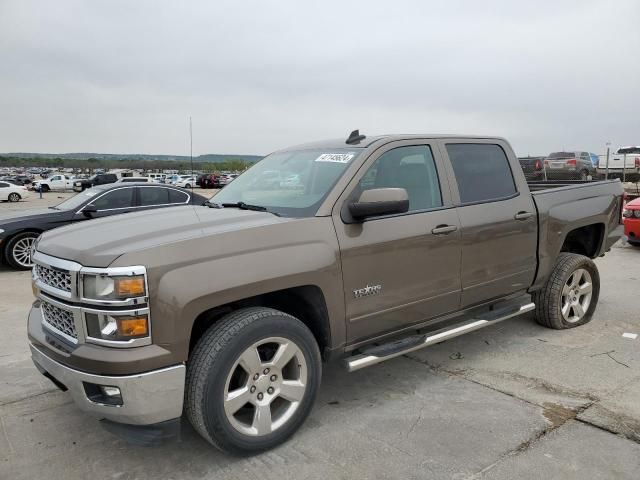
(133,326)
(130,286)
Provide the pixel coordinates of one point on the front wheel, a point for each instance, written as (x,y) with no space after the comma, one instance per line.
(571,293)
(18,250)
(252,379)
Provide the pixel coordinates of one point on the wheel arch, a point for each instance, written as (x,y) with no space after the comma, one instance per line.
(307,303)
(586,240)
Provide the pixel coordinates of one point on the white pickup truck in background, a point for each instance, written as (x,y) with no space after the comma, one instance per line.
(55,182)
(624,163)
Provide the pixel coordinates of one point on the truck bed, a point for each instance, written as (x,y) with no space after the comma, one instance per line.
(565,206)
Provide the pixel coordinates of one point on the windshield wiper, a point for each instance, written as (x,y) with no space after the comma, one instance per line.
(241,206)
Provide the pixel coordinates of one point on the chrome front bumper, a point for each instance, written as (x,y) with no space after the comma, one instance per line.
(147,398)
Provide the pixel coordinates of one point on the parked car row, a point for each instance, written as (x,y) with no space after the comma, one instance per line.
(566,165)
(19,230)
(17,179)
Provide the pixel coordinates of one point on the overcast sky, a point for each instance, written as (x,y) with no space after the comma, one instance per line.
(124,76)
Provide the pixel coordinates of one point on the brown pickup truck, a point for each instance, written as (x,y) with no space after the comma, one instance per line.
(361,251)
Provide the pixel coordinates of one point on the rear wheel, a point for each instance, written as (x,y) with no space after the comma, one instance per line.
(18,250)
(45,188)
(14,197)
(584,175)
(252,380)
(571,293)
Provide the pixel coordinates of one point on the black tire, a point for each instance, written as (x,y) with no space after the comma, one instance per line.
(548,300)
(584,175)
(45,188)
(215,357)
(634,244)
(188,185)
(11,254)
(14,197)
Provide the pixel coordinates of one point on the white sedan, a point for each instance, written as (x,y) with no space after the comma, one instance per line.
(186,182)
(12,193)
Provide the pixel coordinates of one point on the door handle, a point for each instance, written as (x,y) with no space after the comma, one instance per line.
(523,215)
(444,229)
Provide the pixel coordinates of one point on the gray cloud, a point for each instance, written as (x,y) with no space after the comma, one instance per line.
(123,76)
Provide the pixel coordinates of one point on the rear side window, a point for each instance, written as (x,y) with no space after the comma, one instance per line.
(482,172)
(177,197)
(3,185)
(153,196)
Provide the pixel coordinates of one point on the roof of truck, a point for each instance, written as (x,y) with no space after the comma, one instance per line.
(369,140)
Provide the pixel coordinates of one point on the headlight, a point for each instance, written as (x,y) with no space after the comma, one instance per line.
(117,328)
(103,287)
(1,231)
(636,213)
(627,213)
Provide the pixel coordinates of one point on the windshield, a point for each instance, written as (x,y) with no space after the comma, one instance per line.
(77,200)
(290,183)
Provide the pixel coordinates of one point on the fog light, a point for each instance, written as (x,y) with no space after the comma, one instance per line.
(110,391)
(103,394)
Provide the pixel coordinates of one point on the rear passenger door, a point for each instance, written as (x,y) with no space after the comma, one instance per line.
(497,218)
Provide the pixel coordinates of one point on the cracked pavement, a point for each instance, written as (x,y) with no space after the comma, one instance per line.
(514,400)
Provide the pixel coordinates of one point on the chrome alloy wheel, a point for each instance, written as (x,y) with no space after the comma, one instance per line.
(576,295)
(265,386)
(22,250)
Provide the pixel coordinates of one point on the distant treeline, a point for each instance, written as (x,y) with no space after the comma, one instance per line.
(232,164)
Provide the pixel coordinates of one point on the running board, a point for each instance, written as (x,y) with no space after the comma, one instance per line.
(380,353)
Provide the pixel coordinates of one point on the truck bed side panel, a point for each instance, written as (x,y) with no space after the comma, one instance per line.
(561,210)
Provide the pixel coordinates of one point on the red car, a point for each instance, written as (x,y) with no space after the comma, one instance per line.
(631,214)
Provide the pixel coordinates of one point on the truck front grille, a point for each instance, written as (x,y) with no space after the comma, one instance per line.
(59,319)
(60,279)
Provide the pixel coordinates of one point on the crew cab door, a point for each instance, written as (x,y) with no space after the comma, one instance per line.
(497,216)
(399,270)
(57,182)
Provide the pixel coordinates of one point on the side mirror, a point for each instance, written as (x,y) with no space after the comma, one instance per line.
(380,201)
(89,211)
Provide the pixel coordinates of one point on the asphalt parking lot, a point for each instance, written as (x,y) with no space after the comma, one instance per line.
(514,400)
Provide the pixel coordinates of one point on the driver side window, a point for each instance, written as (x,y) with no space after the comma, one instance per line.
(411,168)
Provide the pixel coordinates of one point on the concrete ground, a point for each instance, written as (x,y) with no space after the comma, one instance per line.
(514,400)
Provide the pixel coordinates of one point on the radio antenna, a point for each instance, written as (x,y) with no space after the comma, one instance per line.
(191,153)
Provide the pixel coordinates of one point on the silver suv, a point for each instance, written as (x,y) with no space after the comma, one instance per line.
(569,165)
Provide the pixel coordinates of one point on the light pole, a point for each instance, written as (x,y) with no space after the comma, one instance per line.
(606,175)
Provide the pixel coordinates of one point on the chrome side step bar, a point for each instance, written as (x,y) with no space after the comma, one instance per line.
(380,353)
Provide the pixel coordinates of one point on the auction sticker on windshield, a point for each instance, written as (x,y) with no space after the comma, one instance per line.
(335,157)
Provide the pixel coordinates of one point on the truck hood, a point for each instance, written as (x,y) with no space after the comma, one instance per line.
(99,242)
